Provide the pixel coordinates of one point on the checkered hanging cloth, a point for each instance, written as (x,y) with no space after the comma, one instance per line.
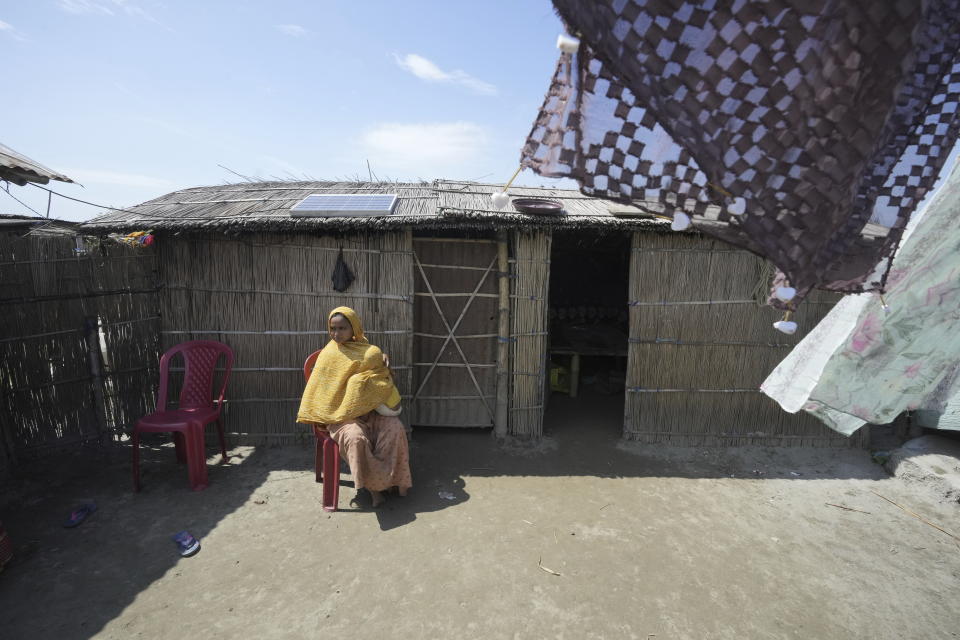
(806,131)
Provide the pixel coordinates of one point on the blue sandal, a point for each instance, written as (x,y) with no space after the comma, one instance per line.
(187,544)
(80,514)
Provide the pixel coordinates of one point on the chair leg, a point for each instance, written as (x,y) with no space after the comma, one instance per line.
(223,442)
(318,456)
(196,458)
(180,446)
(135,441)
(331,475)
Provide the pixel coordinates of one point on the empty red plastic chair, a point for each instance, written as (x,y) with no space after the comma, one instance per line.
(196,408)
(326,460)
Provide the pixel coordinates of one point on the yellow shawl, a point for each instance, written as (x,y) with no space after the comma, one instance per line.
(349,380)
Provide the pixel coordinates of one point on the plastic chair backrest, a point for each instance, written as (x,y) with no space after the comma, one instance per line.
(309,363)
(200,359)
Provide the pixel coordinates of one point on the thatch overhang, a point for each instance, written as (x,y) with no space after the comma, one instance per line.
(19,169)
(37,226)
(265,206)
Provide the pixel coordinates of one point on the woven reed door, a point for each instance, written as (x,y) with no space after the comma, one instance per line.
(455,332)
(530,283)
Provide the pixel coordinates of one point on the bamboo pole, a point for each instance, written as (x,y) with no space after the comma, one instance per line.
(456,267)
(503,344)
(630,410)
(457,240)
(95,362)
(336,295)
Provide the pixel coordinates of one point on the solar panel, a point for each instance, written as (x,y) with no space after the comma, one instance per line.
(345,204)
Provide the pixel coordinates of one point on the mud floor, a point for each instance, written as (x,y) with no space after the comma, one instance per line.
(578,538)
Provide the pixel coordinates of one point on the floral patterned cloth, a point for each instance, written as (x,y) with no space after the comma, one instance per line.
(864,364)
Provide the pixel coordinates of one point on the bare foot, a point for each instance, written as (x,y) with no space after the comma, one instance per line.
(377,498)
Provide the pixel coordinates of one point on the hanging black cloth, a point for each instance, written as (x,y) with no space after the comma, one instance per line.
(342,276)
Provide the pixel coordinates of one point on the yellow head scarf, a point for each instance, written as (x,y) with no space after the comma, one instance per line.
(349,380)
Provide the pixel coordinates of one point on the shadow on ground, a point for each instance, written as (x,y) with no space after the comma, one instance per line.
(119,550)
(72,583)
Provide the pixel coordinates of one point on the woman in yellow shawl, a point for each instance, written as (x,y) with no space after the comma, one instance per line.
(351,393)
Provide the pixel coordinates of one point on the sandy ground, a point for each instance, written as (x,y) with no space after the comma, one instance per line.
(648,542)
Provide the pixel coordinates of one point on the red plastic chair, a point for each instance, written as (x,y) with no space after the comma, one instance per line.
(327,455)
(196,408)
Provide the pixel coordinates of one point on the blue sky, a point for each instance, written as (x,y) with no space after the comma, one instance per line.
(136,98)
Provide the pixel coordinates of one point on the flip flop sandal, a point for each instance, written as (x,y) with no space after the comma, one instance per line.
(80,514)
(187,544)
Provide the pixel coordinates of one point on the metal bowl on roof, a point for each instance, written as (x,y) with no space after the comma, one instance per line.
(538,206)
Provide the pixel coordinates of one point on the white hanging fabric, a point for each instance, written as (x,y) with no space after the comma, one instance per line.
(871,359)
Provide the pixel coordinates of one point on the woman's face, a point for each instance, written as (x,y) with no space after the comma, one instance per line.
(340,329)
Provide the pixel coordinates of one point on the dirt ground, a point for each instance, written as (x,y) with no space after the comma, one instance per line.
(648,542)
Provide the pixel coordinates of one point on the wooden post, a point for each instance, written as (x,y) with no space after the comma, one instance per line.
(409,416)
(503,333)
(631,411)
(92,331)
(574,374)
(9,449)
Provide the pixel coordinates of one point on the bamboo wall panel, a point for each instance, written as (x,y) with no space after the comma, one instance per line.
(63,304)
(267,296)
(129,324)
(461,274)
(528,327)
(694,370)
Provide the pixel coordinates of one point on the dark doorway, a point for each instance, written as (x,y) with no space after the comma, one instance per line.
(589,329)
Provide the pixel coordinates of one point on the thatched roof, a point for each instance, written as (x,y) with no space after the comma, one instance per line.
(19,169)
(265,206)
(37,226)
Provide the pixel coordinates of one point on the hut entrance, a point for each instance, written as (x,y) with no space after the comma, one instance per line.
(589,323)
(455,332)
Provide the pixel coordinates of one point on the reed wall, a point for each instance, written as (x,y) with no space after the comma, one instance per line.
(79,321)
(83,330)
(529,339)
(267,296)
(701,343)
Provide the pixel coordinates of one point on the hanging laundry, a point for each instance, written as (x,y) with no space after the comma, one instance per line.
(342,275)
(805,132)
(871,359)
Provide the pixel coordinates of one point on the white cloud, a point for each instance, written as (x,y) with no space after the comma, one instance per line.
(106,8)
(428,71)
(131,10)
(85,6)
(424,148)
(13,33)
(293,30)
(100,176)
